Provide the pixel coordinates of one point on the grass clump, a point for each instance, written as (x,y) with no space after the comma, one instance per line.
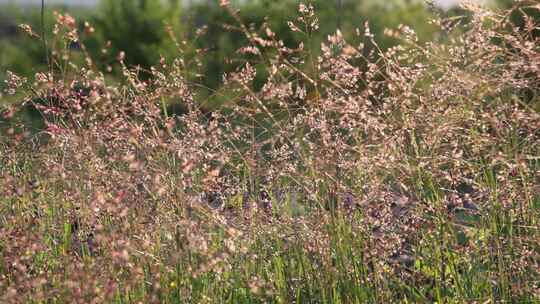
(359,175)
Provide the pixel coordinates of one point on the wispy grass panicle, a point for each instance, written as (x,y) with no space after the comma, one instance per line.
(344,174)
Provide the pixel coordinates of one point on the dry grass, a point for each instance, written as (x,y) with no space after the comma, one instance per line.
(360,175)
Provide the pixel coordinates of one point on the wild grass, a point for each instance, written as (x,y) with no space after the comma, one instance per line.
(357,176)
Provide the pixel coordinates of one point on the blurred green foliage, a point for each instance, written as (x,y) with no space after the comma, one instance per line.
(136,27)
(18,52)
(139,28)
(222,44)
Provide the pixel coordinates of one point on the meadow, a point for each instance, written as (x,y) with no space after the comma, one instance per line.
(351,174)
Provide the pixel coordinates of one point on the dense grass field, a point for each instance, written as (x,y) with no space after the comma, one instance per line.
(352,175)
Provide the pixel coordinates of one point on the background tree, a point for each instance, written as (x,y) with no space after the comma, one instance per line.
(136,27)
(222,42)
